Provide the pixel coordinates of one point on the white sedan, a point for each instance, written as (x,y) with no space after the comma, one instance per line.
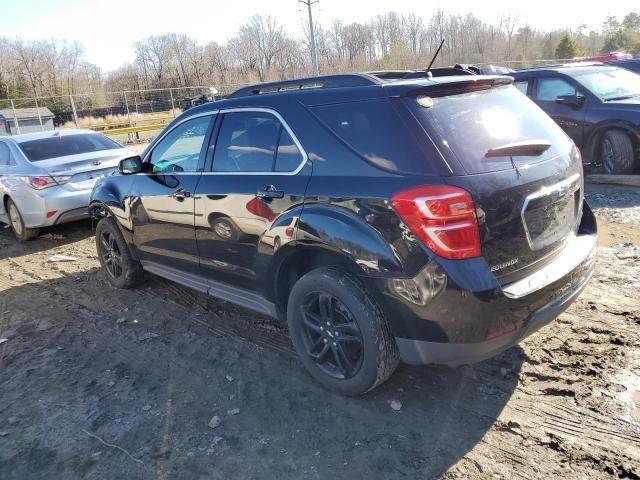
(46,178)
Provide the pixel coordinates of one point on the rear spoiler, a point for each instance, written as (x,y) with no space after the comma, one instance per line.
(458,86)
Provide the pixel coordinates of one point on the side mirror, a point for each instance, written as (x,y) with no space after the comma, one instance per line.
(573,101)
(130,165)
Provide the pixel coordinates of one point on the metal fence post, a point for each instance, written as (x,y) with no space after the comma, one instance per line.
(126,104)
(73,108)
(15,117)
(39,116)
(173,107)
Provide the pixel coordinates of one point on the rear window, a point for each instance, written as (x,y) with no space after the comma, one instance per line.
(63,145)
(374,130)
(466,126)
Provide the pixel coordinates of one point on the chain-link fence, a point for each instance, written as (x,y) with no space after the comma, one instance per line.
(107,112)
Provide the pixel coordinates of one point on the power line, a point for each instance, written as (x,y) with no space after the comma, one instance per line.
(314,53)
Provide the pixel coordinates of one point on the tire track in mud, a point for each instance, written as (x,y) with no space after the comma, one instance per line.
(257,329)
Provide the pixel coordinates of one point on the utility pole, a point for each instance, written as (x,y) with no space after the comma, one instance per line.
(314,53)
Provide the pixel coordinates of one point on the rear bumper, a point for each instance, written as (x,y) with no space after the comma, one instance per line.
(422,352)
(461,326)
(68,205)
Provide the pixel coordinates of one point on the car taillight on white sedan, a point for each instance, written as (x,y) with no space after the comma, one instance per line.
(443,217)
(45,181)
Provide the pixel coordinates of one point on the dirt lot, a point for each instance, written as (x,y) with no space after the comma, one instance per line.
(98,383)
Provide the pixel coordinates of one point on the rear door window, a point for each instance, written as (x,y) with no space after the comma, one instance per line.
(255,141)
(6,158)
(466,126)
(375,130)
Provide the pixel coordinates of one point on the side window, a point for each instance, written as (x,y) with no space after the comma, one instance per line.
(551,88)
(181,149)
(247,142)
(289,156)
(377,132)
(522,85)
(6,159)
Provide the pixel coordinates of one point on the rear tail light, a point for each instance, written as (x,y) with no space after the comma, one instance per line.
(443,217)
(42,182)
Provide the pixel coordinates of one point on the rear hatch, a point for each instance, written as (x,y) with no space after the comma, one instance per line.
(78,159)
(522,171)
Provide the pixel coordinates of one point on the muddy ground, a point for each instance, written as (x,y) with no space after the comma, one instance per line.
(98,383)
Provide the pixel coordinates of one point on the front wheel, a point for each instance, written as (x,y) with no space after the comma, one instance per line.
(616,153)
(340,333)
(17,224)
(116,260)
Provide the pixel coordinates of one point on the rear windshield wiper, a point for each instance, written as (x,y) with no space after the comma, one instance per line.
(520,149)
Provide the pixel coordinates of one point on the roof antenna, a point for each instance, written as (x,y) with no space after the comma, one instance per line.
(435,56)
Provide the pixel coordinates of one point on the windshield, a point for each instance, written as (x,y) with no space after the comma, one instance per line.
(611,83)
(470,128)
(64,145)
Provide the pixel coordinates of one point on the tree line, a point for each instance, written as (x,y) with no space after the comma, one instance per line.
(263,50)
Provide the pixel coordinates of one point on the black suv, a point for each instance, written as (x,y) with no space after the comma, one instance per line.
(430,220)
(597,105)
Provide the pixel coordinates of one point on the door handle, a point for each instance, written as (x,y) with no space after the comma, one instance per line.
(270,191)
(180,194)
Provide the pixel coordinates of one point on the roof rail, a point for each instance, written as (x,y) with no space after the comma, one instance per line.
(322,81)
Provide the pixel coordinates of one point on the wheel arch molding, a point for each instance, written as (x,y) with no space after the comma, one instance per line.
(598,130)
(331,236)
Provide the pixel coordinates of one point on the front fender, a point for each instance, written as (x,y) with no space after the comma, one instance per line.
(110,197)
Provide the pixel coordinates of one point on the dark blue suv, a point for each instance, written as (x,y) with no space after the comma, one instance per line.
(433,220)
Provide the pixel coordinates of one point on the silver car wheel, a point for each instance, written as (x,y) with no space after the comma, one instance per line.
(14,216)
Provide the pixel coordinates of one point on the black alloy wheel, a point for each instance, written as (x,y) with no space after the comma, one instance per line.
(331,335)
(111,254)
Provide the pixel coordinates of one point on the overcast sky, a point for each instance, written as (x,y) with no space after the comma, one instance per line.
(108,29)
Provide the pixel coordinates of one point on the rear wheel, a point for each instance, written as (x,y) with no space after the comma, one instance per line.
(17,224)
(616,153)
(340,332)
(116,260)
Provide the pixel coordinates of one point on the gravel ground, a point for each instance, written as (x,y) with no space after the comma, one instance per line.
(98,383)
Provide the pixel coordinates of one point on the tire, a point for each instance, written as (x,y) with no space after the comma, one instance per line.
(616,153)
(322,346)
(115,258)
(225,229)
(17,224)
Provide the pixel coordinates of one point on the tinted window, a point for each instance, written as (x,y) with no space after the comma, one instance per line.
(289,156)
(63,145)
(374,130)
(181,149)
(551,88)
(522,85)
(611,83)
(467,126)
(5,155)
(247,142)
